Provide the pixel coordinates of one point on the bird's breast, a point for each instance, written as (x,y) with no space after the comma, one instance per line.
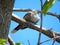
(34,18)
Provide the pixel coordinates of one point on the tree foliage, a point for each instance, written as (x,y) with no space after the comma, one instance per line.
(18,44)
(47,5)
(3,41)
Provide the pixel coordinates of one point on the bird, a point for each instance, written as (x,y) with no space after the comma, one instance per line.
(30,16)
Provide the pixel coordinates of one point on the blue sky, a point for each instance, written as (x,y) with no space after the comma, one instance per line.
(30,34)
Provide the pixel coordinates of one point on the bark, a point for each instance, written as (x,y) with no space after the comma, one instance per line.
(6,7)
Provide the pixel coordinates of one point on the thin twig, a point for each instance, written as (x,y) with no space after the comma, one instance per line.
(50,39)
(28,42)
(41,18)
(45,41)
(53,42)
(38,43)
(10,40)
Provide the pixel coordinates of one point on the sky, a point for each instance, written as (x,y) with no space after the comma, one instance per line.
(30,34)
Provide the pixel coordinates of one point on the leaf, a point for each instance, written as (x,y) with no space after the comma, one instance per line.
(18,44)
(3,41)
(47,5)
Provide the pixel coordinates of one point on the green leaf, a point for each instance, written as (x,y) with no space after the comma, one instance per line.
(18,44)
(47,5)
(3,41)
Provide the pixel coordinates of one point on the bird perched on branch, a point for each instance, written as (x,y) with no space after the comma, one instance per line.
(30,16)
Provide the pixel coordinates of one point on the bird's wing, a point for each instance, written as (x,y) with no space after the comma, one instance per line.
(27,17)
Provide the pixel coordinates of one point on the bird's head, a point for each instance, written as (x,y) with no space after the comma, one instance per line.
(34,12)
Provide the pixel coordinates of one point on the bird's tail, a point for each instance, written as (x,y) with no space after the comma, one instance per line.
(13,31)
(17,28)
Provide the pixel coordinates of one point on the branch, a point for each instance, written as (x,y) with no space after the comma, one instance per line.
(39,38)
(28,42)
(41,20)
(45,41)
(45,31)
(21,9)
(27,9)
(10,40)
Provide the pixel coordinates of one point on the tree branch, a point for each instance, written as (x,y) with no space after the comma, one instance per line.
(45,31)
(28,42)
(41,20)
(27,9)
(45,41)
(10,40)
